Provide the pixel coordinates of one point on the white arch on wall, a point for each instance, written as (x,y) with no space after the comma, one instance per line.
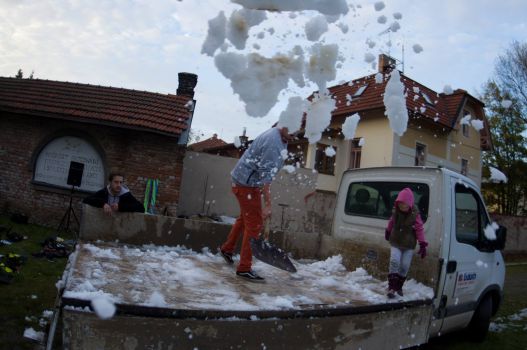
(53,162)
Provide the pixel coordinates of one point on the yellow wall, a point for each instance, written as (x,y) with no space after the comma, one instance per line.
(436,144)
(378,142)
(468,148)
(376,151)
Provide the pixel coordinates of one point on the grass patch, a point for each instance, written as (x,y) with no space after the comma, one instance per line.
(31,291)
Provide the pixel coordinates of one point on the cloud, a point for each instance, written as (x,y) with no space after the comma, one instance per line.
(143,45)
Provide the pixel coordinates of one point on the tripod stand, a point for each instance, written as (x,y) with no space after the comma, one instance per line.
(64,225)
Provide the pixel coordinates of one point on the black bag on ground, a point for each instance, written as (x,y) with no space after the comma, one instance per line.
(19,218)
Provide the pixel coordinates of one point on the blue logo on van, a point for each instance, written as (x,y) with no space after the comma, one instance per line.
(467,276)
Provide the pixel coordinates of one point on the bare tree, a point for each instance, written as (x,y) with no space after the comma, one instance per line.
(511,74)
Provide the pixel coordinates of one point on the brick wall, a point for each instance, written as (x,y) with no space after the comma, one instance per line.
(140,155)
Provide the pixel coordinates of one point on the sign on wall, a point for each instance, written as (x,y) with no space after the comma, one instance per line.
(53,163)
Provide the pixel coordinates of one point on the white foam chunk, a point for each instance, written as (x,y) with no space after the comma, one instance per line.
(350,126)
(216,34)
(395,103)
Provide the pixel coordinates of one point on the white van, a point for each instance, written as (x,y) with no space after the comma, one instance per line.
(464,266)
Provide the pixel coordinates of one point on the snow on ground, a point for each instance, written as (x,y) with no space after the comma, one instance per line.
(176,277)
(30,333)
(510,322)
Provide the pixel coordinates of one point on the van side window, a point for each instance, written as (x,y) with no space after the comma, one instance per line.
(377,199)
(471,218)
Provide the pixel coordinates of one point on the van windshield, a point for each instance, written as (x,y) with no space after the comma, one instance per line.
(376,199)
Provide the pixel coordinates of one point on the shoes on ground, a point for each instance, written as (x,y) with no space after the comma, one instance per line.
(250,276)
(227,257)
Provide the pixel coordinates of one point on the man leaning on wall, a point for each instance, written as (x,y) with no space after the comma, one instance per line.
(115,197)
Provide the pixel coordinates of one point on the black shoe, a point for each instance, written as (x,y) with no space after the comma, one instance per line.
(227,257)
(251,276)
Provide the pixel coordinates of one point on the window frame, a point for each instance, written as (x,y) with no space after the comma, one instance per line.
(360,91)
(355,154)
(323,164)
(465,127)
(464,167)
(480,242)
(427,98)
(386,193)
(465,130)
(416,158)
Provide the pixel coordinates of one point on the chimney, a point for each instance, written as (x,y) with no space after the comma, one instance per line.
(215,136)
(386,63)
(243,138)
(187,83)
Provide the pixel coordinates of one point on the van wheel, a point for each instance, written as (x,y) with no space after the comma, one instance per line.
(479,325)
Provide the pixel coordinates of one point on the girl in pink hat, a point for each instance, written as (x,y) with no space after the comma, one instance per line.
(404,230)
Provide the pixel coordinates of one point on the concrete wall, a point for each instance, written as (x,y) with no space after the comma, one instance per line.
(516,233)
(206,185)
(362,330)
(139,229)
(206,189)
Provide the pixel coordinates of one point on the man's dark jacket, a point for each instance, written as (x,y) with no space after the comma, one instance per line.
(127,202)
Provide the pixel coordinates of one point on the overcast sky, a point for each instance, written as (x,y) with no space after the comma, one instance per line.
(143,44)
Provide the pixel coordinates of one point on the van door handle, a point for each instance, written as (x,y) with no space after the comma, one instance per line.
(451,266)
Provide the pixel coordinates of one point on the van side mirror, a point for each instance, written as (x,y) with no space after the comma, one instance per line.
(501,237)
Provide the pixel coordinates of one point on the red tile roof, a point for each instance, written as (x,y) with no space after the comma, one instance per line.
(207,144)
(443,109)
(165,114)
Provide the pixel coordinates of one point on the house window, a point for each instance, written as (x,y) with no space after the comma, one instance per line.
(464,126)
(323,163)
(427,98)
(465,129)
(53,163)
(377,199)
(360,91)
(464,167)
(355,154)
(471,218)
(420,154)
(296,154)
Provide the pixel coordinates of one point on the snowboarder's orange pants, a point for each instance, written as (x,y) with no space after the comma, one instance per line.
(249,223)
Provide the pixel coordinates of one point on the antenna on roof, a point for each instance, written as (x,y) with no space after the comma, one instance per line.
(402,59)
